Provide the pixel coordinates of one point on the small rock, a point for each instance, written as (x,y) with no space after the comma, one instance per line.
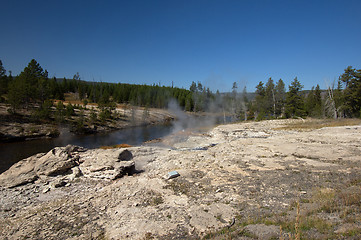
(58,183)
(76,172)
(127,168)
(125,155)
(73,148)
(172,174)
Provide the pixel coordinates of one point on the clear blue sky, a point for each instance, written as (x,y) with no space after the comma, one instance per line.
(214,42)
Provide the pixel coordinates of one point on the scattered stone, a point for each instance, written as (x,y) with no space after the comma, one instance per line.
(124,168)
(58,183)
(46,189)
(248,177)
(76,172)
(125,155)
(73,148)
(205,147)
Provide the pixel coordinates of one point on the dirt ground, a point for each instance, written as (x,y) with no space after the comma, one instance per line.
(279,179)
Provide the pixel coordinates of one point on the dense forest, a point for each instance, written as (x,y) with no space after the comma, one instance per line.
(32,87)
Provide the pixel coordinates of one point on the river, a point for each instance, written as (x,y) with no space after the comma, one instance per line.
(15,151)
(11,153)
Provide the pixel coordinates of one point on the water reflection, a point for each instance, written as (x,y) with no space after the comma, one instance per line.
(13,152)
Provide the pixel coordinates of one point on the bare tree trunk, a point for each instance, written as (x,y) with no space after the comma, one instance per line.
(333,104)
(330,102)
(274,103)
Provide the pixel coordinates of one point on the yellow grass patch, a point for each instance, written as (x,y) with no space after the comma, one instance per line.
(311,124)
(123,145)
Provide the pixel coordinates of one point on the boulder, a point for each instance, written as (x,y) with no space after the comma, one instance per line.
(123,168)
(98,163)
(57,161)
(20,173)
(107,164)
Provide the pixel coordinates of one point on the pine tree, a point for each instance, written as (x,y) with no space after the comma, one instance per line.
(352,92)
(260,105)
(17,94)
(280,97)
(3,80)
(294,100)
(193,87)
(313,102)
(2,69)
(34,79)
(270,98)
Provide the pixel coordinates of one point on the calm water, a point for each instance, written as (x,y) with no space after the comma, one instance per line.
(11,153)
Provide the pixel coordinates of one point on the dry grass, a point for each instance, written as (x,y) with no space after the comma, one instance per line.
(311,124)
(123,145)
(344,202)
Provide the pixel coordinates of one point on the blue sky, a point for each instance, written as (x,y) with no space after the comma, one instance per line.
(214,42)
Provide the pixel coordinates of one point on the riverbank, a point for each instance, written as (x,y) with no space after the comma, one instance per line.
(25,126)
(241,181)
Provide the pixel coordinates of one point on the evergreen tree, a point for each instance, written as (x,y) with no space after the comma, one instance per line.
(2,69)
(193,87)
(280,97)
(17,94)
(69,110)
(294,101)
(313,102)
(270,98)
(259,106)
(352,92)
(318,101)
(3,80)
(189,103)
(34,80)
(44,111)
(59,114)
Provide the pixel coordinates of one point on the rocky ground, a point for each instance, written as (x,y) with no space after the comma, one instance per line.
(257,180)
(20,128)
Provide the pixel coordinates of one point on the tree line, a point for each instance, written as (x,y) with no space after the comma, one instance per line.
(271,99)
(33,86)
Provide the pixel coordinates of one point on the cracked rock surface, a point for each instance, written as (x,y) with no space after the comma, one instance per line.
(231,172)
